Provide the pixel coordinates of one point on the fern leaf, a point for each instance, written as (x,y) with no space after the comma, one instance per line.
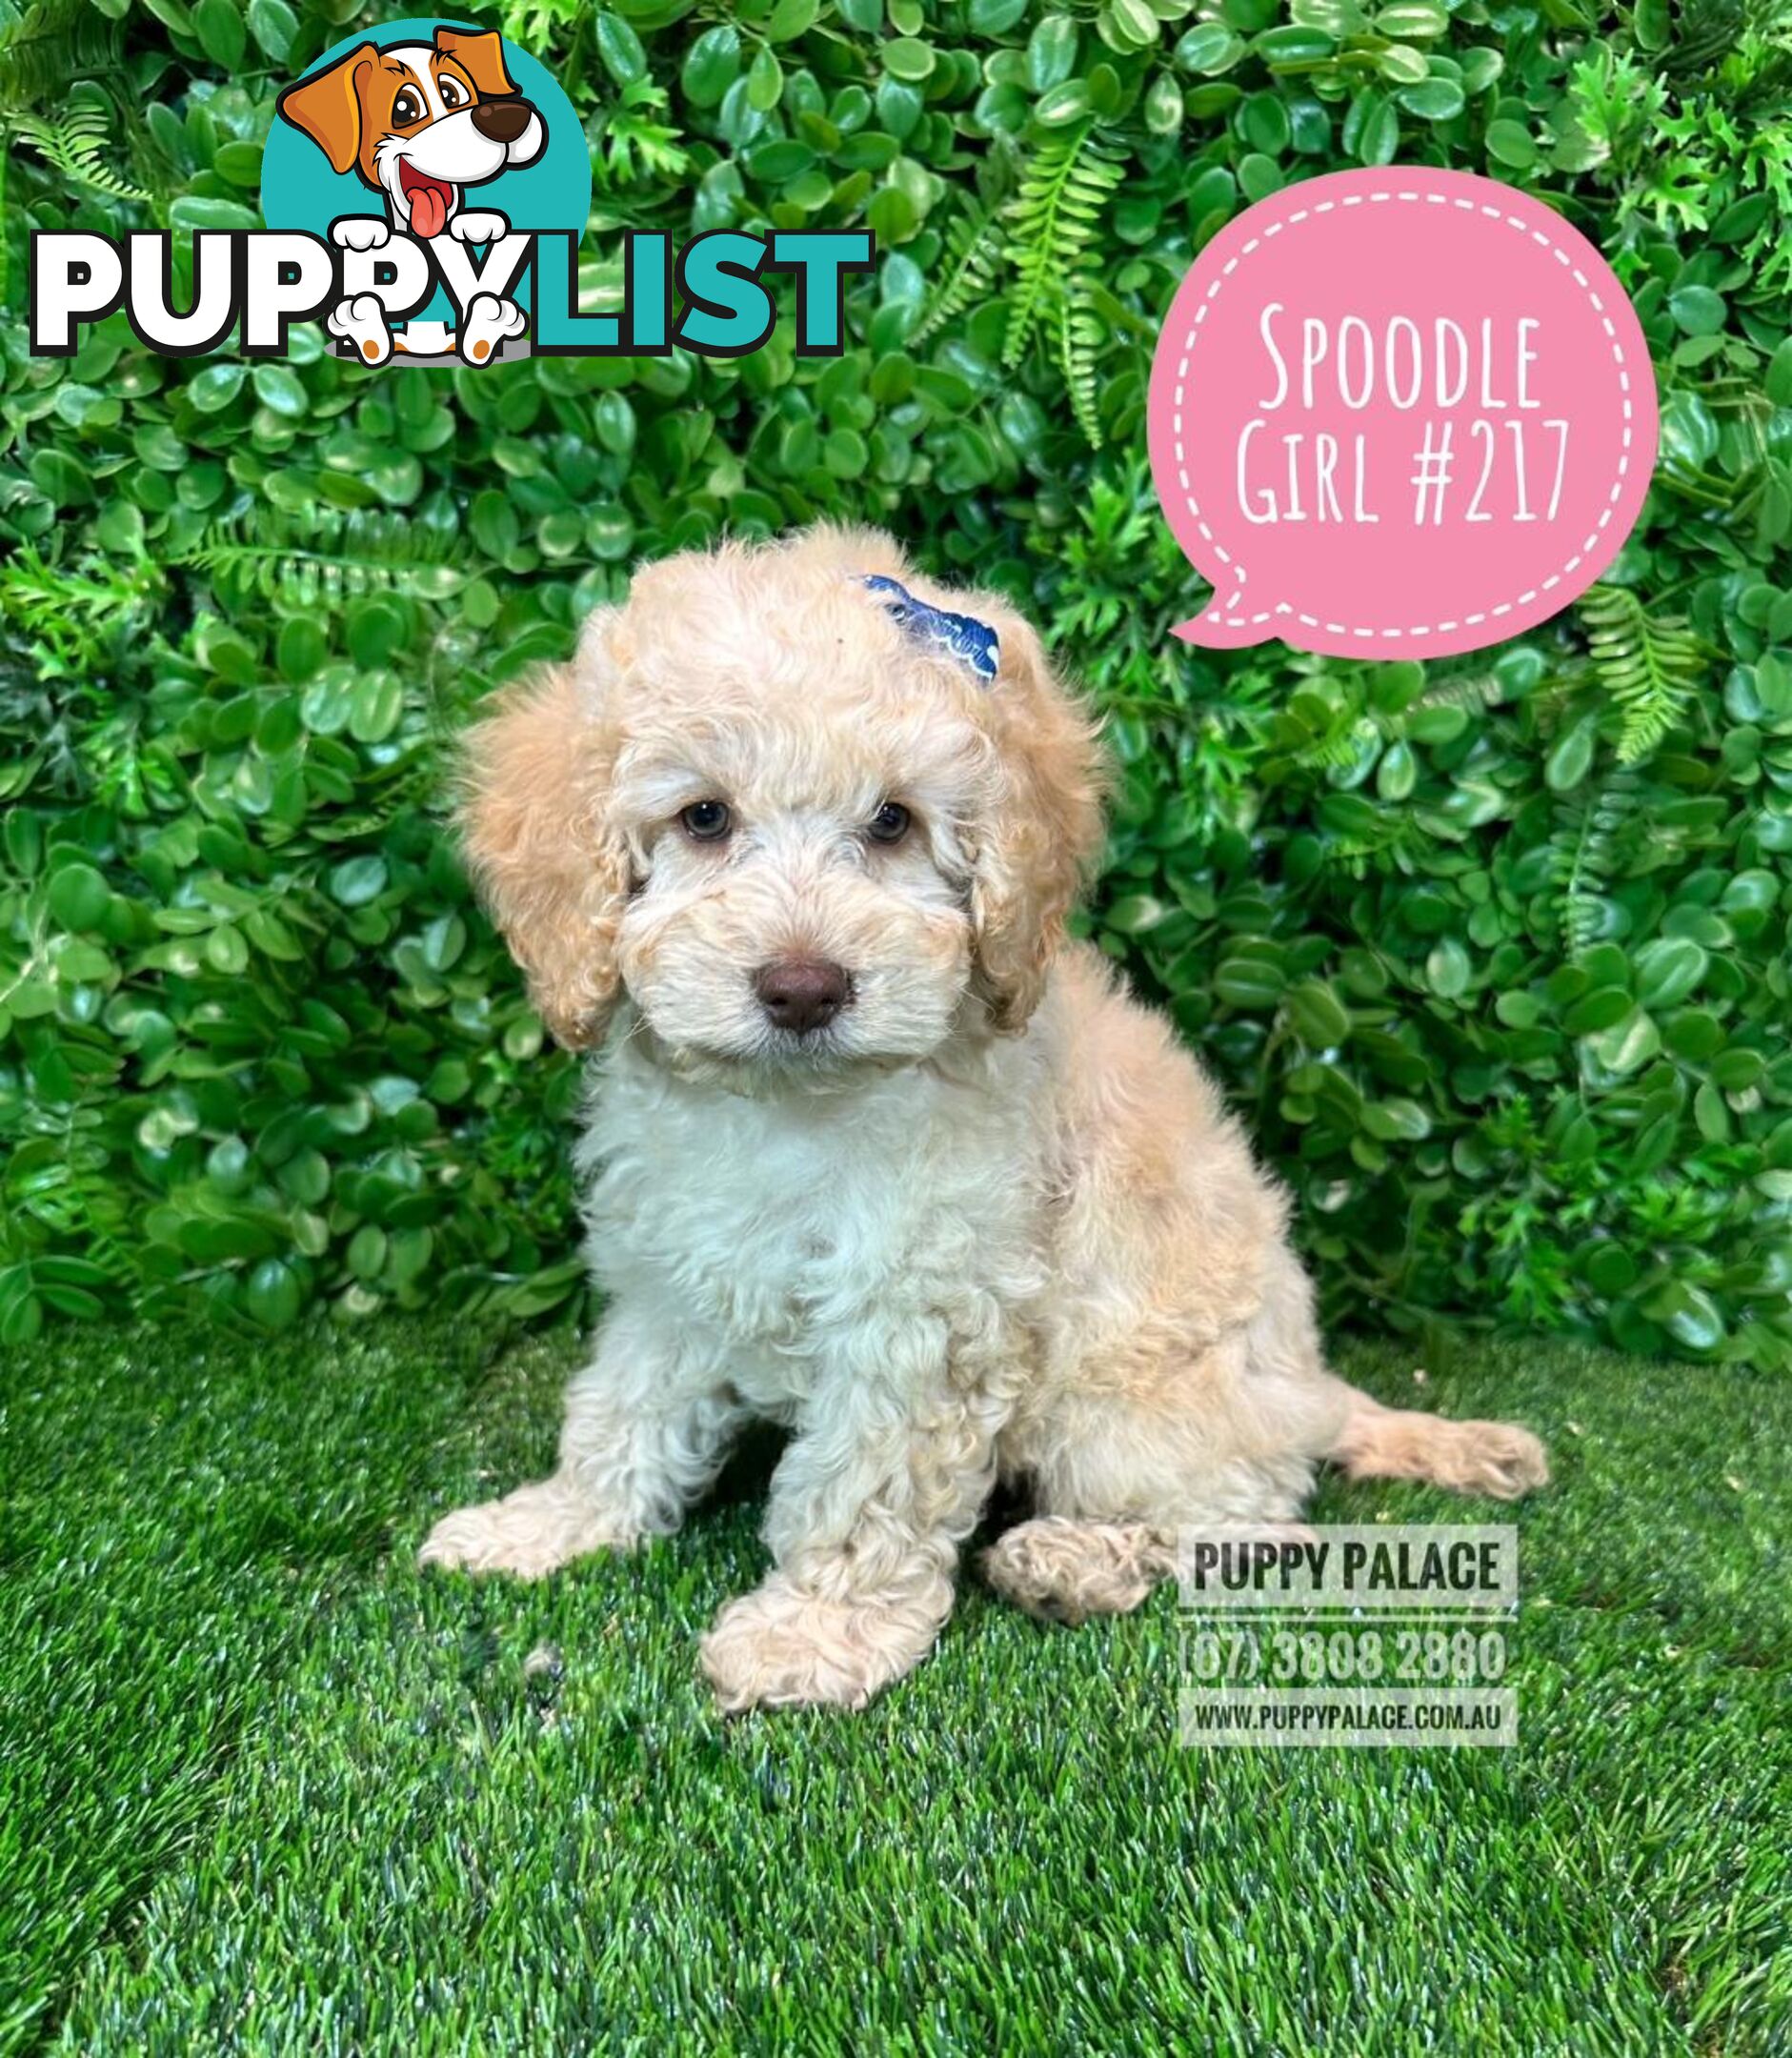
(1595,858)
(1476,693)
(48,43)
(1079,335)
(1705,32)
(79,145)
(1052,221)
(973,250)
(327,558)
(1649,664)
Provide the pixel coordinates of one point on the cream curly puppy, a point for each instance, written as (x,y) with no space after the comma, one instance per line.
(872,1150)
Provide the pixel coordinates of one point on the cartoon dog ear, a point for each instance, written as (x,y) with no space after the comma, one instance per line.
(328,107)
(1044,829)
(483,56)
(548,867)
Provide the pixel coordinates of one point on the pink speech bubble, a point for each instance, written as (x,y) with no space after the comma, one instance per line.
(1403,410)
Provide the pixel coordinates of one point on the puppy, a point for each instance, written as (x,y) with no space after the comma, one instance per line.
(871,1149)
(420,123)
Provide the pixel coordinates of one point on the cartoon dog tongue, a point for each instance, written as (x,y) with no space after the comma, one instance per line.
(429,201)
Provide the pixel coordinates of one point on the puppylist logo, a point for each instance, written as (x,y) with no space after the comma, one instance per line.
(425,188)
(432,135)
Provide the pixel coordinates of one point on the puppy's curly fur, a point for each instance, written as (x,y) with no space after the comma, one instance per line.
(987,1220)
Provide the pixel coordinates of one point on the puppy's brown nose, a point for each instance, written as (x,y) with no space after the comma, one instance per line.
(502,121)
(801,994)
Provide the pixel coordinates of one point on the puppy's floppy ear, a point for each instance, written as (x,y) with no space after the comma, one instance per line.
(534,826)
(483,56)
(328,107)
(1044,829)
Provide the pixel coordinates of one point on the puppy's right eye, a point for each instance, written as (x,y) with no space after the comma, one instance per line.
(708,821)
(890,824)
(407,107)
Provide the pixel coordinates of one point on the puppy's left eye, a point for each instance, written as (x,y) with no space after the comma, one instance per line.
(890,824)
(454,93)
(707,821)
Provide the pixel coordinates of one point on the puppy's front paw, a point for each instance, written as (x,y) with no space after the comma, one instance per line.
(1063,1570)
(529,1533)
(481,226)
(1501,1460)
(360,232)
(778,1648)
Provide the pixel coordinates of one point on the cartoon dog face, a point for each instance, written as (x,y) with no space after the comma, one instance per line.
(419,122)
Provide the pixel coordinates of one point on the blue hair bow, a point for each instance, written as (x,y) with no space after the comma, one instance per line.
(971,643)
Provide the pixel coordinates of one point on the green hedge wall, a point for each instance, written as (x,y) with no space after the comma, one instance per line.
(1492,953)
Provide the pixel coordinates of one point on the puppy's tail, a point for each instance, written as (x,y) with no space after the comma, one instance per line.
(1492,1458)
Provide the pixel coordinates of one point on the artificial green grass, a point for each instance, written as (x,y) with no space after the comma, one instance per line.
(265,1787)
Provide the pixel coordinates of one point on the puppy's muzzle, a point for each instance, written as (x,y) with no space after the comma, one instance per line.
(802,994)
(502,121)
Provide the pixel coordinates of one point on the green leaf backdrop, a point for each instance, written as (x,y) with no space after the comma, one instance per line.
(1492,953)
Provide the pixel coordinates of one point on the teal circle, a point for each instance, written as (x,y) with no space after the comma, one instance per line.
(299,190)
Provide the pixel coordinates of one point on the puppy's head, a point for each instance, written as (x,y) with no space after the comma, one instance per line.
(796,837)
(419,121)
